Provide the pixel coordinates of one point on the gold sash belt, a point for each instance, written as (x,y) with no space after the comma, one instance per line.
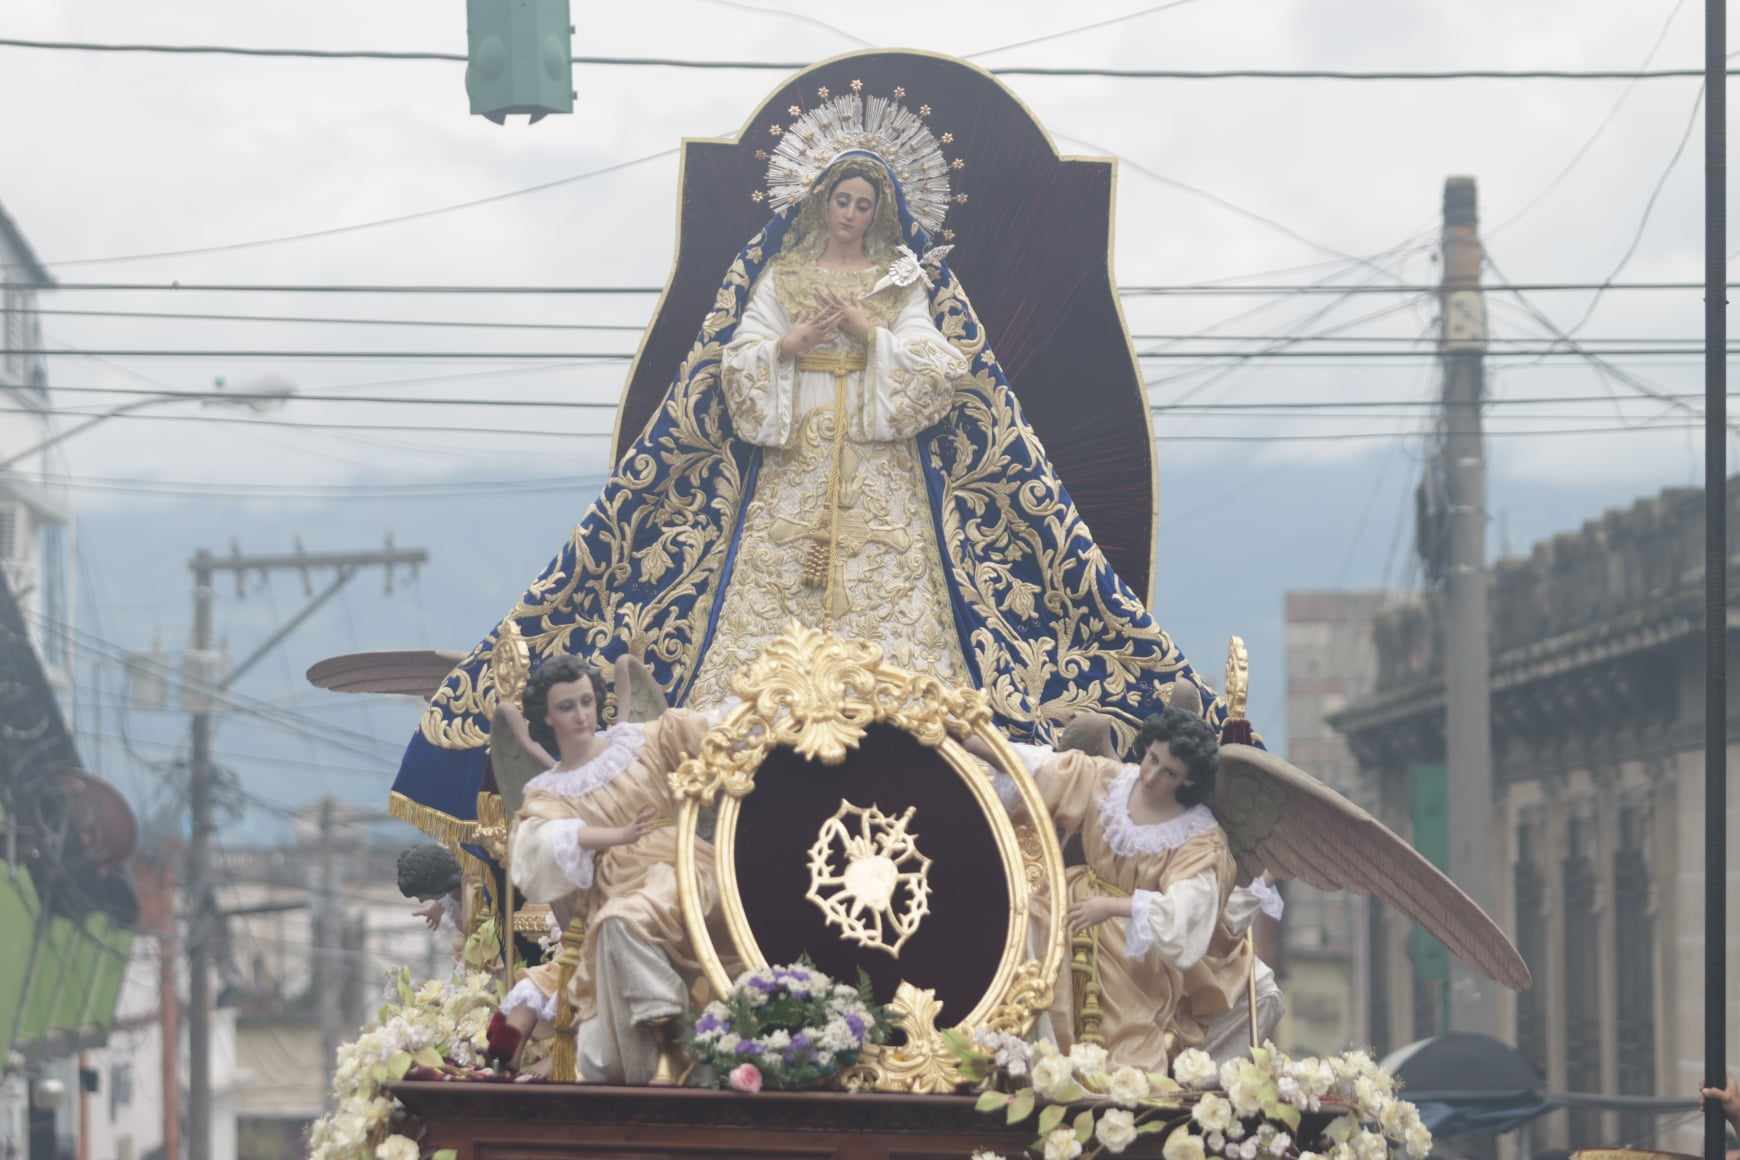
(819,570)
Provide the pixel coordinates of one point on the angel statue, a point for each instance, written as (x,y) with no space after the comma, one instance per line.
(840,447)
(593,838)
(1179,849)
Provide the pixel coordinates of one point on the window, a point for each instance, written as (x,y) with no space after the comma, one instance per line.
(120,1088)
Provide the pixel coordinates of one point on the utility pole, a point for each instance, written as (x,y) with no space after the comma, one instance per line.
(205,566)
(1467,658)
(326,937)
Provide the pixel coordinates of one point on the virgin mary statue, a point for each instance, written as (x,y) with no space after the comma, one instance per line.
(840,448)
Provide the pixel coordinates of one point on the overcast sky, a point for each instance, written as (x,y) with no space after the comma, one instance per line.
(118,155)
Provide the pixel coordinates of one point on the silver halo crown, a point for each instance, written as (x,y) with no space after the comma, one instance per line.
(878,125)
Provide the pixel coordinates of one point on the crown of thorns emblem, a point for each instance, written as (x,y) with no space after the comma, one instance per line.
(868,878)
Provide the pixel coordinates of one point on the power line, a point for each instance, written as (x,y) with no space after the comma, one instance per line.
(1583,150)
(796,66)
(334,231)
(332,320)
(545,433)
(1271,355)
(1098,24)
(1643,221)
(1202,289)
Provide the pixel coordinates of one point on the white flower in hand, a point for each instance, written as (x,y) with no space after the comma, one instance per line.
(1195,1068)
(902,272)
(1061,1144)
(1418,1140)
(1117,1130)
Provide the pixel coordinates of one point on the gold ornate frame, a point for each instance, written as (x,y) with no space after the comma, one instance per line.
(817,694)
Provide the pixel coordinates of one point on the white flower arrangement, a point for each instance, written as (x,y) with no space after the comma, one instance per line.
(1250,1108)
(434,1025)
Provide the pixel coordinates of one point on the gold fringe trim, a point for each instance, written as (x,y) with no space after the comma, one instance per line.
(441,826)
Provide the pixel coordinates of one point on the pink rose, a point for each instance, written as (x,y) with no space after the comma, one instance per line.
(745,1077)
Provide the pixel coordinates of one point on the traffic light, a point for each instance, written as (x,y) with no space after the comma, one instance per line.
(519,58)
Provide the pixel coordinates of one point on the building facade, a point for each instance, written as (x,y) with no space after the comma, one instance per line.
(1597,810)
(36,525)
(1330,663)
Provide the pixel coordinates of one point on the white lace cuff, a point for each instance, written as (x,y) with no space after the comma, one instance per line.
(1176,923)
(575,860)
(527,994)
(1269,900)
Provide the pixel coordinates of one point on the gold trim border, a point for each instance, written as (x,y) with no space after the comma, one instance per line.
(817,694)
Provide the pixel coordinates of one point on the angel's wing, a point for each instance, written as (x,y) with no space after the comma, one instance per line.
(512,765)
(1280,819)
(409,672)
(639,696)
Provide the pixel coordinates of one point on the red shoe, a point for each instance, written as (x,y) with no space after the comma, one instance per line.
(503,1041)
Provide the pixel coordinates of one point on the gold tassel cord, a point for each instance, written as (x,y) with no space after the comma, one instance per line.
(438,824)
(564,1054)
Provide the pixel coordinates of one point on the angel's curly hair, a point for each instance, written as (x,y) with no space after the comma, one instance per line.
(535,701)
(1193,741)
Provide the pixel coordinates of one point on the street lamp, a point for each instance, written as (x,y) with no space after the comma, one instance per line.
(260,395)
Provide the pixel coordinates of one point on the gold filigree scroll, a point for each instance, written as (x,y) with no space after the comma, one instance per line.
(817,694)
(1238,677)
(859,893)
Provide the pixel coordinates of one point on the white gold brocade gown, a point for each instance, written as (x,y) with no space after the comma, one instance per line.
(863,563)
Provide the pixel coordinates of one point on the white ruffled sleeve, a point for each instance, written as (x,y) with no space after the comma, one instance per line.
(760,385)
(548,860)
(1175,923)
(1246,902)
(910,374)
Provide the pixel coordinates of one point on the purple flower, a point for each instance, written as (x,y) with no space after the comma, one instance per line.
(856,1023)
(801,1041)
(765,986)
(748,1047)
(707,1023)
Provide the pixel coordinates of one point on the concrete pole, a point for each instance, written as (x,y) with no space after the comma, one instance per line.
(199,878)
(327,934)
(1467,657)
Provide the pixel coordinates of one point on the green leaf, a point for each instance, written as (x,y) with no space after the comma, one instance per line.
(1021,1106)
(1084,1126)
(1151,1128)
(1287,1114)
(991,1102)
(403,979)
(398,1065)
(1161,1082)
(1071,1094)
(429,1057)
(1050,1118)
(446,1154)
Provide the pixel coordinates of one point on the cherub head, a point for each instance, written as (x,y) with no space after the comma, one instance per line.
(564,704)
(1178,752)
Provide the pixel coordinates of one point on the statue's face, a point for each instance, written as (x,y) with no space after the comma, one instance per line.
(1162,773)
(573,712)
(851,209)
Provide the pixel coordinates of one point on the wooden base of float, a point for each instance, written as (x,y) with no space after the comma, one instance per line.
(496,1121)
